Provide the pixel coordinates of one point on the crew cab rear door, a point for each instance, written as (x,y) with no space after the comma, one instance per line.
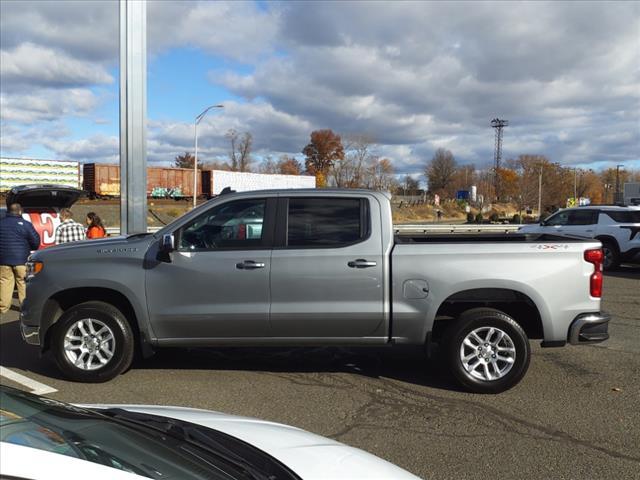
(327,270)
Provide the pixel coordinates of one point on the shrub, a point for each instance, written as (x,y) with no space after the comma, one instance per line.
(494,217)
(516,219)
(470,217)
(479,218)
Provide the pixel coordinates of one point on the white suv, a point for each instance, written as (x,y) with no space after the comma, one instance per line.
(618,228)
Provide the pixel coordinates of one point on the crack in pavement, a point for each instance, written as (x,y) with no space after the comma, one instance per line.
(397,402)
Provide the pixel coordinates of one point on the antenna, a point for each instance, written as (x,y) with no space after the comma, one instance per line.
(498,125)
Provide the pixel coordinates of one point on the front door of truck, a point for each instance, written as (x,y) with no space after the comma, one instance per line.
(327,270)
(217,282)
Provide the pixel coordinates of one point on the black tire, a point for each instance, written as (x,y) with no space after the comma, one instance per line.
(123,337)
(611,259)
(487,317)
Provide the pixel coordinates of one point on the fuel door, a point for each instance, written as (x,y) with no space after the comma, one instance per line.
(415,289)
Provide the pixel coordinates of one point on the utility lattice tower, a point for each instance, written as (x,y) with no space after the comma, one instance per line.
(498,125)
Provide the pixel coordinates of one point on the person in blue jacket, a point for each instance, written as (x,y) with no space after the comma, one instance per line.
(17,239)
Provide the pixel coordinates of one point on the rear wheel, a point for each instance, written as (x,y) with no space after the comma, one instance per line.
(92,342)
(488,352)
(611,255)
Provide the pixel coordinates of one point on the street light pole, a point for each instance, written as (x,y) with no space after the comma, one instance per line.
(195,159)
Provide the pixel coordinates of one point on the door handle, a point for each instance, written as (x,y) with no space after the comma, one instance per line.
(361,263)
(249,265)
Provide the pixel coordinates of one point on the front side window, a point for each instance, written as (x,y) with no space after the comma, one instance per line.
(325,222)
(234,225)
(560,218)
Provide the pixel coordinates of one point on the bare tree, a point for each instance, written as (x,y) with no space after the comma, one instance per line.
(440,171)
(240,153)
(233,135)
(379,174)
(268,165)
(244,148)
(350,171)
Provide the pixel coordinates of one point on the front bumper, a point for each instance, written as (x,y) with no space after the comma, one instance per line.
(31,335)
(589,328)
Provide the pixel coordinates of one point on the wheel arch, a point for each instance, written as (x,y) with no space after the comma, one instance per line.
(514,303)
(61,301)
(608,238)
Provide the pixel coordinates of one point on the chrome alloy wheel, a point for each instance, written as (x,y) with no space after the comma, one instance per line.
(89,344)
(487,353)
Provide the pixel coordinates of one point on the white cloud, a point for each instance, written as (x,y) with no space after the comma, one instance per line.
(35,65)
(98,148)
(237,30)
(46,105)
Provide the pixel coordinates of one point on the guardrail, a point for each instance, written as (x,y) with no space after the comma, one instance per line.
(115,231)
(411,228)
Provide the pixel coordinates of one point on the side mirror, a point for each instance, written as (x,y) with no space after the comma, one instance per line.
(167,245)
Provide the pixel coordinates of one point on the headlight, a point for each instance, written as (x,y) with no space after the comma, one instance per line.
(33,268)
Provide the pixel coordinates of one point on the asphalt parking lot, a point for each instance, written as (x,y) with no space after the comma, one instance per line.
(575,415)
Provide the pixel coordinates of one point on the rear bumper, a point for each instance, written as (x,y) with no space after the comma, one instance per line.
(589,328)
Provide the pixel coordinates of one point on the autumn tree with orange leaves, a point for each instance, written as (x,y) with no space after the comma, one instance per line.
(323,150)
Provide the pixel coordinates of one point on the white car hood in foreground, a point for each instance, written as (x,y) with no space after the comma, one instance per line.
(311,456)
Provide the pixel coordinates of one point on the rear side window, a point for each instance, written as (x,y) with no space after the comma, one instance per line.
(582,217)
(624,217)
(326,222)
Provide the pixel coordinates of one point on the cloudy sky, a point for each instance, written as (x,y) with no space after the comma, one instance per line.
(414,76)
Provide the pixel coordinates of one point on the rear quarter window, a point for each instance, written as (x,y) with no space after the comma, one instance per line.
(624,217)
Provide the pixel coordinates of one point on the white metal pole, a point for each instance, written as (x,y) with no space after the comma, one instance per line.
(133,116)
(195,166)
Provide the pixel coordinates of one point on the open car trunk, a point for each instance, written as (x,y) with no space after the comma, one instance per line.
(41,206)
(45,197)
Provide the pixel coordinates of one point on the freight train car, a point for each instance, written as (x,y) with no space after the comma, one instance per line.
(213,181)
(101,180)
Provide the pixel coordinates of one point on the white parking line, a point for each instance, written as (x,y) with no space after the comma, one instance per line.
(36,387)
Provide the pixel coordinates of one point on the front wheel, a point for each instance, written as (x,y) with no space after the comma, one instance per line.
(92,342)
(488,352)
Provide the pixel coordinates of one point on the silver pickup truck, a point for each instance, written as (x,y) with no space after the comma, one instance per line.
(312,267)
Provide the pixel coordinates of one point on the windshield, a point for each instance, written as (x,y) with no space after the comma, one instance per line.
(147,445)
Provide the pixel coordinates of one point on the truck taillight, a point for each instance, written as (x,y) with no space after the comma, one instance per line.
(595,283)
